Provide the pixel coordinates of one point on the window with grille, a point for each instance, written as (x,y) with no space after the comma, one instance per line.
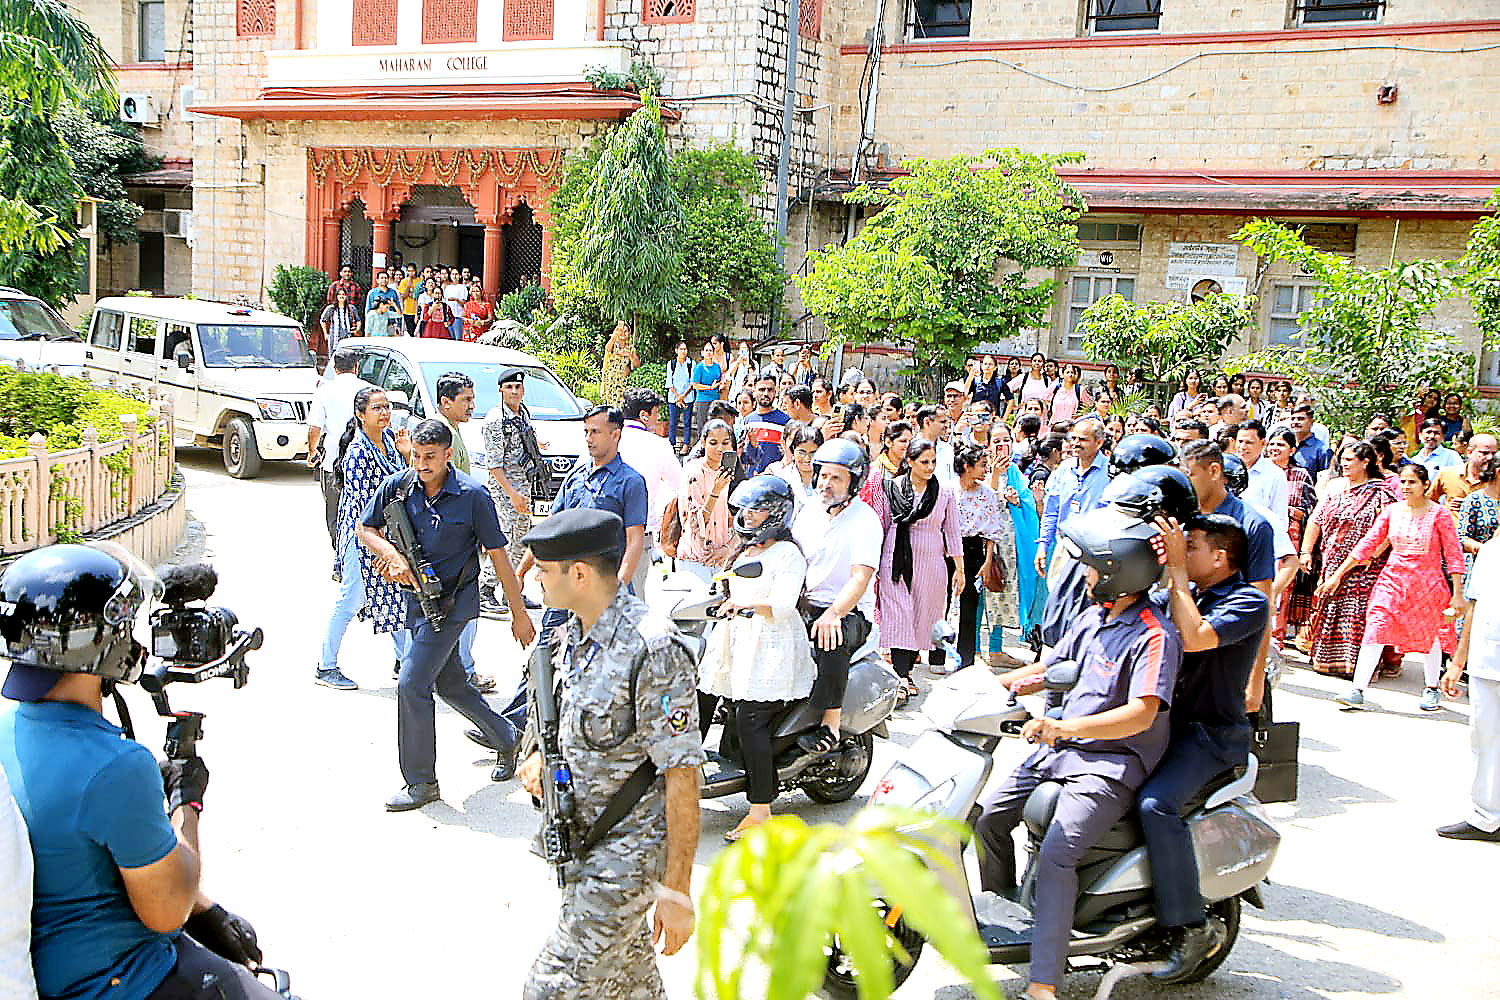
(151,31)
(1289,300)
(374,22)
(255,18)
(1124,15)
(449,21)
(528,20)
(523,251)
(939,19)
(1333,11)
(669,11)
(1086,289)
(810,18)
(1113,234)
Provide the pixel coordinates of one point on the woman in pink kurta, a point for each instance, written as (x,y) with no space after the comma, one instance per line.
(1417,594)
(921,529)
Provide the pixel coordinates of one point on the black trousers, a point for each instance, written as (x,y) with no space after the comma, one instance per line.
(330,500)
(968,601)
(752,732)
(833,664)
(201,975)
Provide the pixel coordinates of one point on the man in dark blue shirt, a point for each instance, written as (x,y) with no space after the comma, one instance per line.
(453,518)
(763,428)
(1311,453)
(1221,637)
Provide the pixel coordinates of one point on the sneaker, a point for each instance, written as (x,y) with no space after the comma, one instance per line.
(1432,700)
(413,797)
(490,605)
(940,669)
(334,679)
(1355,699)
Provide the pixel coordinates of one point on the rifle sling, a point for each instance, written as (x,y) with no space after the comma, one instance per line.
(620,804)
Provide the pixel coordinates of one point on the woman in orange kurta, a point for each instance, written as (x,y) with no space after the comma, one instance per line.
(1417,595)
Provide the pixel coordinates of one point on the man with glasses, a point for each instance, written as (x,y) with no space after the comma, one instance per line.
(1076,485)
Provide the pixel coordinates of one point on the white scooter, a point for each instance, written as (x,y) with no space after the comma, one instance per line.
(947,768)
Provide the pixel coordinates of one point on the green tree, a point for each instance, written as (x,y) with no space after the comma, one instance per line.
(36,170)
(1367,340)
(944,263)
(1480,270)
(299,292)
(105,151)
(1165,338)
(628,256)
(778,898)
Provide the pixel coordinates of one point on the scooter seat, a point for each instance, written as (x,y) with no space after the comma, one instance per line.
(1215,783)
(1042,804)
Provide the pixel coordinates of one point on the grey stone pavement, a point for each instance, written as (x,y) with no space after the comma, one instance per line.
(448,901)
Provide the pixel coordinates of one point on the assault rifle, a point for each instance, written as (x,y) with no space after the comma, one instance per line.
(400,533)
(558,805)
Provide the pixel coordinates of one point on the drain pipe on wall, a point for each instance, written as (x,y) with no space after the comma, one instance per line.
(783,160)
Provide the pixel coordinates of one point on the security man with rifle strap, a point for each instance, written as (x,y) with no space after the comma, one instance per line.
(627,756)
(441,518)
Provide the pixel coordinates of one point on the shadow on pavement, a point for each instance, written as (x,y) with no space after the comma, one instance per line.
(1322,793)
(1290,902)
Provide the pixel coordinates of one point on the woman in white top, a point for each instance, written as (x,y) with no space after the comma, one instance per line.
(762,662)
(799,443)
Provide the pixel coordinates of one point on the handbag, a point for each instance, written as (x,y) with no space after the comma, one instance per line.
(994,578)
(1275,749)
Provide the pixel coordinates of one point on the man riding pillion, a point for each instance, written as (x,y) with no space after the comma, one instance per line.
(626,706)
(116,873)
(1111,733)
(840,536)
(1221,629)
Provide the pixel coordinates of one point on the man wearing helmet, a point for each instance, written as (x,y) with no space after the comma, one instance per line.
(841,537)
(119,877)
(1111,734)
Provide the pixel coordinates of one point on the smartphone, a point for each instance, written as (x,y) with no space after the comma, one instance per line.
(729,461)
(838,413)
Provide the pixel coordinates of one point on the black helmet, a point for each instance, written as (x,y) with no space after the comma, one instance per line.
(71,609)
(1137,451)
(1152,492)
(1236,476)
(771,494)
(848,454)
(1119,547)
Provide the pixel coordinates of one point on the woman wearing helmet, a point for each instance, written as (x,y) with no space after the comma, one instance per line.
(759,663)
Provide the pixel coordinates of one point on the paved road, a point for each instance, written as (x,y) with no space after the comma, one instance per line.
(448,901)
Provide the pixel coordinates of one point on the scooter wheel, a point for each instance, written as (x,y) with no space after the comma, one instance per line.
(1228,911)
(829,790)
(838,980)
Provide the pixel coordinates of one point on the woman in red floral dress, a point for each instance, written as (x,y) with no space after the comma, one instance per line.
(1418,594)
(478,313)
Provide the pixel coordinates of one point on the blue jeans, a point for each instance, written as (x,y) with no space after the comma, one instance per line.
(348,604)
(682,414)
(466,647)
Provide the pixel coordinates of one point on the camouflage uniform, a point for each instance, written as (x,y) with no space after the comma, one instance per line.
(503,450)
(602,945)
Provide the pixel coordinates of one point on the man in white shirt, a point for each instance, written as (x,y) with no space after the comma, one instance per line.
(1268,489)
(16,979)
(332,409)
(1479,653)
(934,424)
(647,452)
(840,537)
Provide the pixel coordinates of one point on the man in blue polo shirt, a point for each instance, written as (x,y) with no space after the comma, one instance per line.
(1312,451)
(1112,732)
(763,428)
(1221,631)
(604,482)
(453,518)
(1204,464)
(1075,487)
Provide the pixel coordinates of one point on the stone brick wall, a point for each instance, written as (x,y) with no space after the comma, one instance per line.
(1296,104)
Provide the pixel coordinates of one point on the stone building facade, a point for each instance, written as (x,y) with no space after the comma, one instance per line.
(377,131)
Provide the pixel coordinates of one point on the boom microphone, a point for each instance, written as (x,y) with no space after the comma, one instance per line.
(191,582)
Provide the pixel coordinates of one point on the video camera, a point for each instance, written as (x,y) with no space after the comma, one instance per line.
(191,643)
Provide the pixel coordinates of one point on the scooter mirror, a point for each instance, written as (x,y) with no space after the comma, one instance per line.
(1062,675)
(749,570)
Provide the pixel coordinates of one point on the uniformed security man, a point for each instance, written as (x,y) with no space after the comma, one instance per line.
(1221,635)
(627,692)
(513,456)
(453,519)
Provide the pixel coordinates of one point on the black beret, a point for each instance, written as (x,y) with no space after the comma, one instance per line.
(510,374)
(575,534)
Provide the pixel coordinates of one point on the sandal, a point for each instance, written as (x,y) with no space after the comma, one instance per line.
(911,688)
(744,827)
(820,740)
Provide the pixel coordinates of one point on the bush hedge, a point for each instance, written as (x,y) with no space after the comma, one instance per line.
(59,407)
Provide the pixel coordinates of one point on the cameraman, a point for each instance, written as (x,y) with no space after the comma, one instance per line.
(118,878)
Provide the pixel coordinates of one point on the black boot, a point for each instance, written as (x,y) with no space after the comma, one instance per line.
(1195,946)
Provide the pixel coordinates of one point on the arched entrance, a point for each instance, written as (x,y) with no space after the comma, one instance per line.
(494,184)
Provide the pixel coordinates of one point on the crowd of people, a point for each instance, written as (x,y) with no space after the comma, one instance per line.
(437,301)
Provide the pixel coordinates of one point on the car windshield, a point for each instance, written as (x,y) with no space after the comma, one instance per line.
(27,319)
(238,346)
(546,397)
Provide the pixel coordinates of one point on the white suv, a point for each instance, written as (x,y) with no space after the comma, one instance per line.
(408,369)
(34,338)
(239,379)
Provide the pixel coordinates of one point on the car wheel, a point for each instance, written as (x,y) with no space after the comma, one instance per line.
(241,453)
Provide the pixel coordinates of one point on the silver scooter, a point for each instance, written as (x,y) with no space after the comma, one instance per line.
(945,771)
(832,776)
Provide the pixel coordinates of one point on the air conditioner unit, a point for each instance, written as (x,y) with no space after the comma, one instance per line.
(138,109)
(186,98)
(177,222)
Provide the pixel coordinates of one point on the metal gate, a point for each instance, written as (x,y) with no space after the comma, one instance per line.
(356,243)
(523,251)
